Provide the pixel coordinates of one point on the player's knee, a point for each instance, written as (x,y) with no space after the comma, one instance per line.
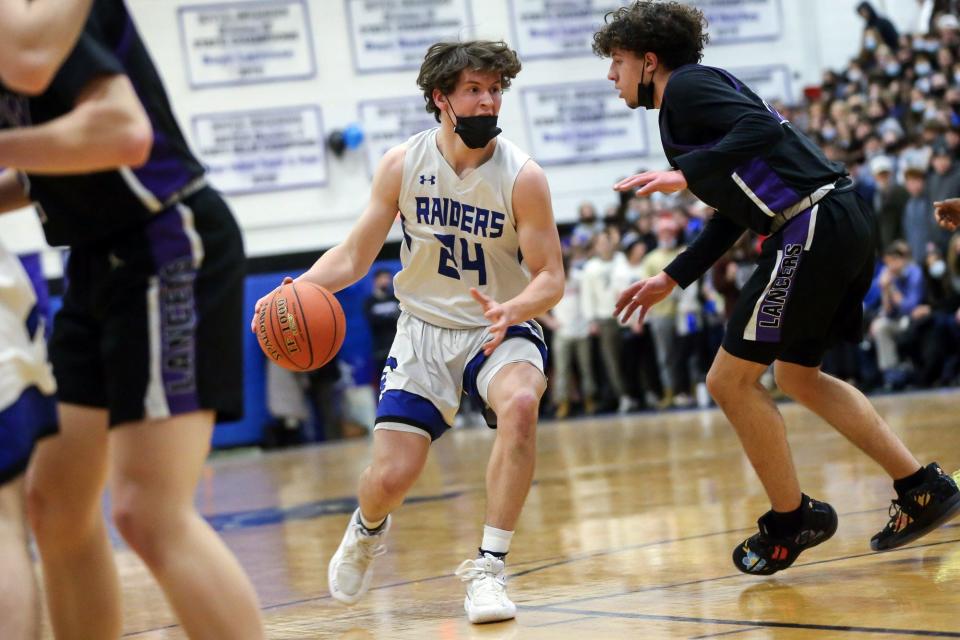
(50,516)
(522,406)
(718,385)
(140,526)
(395,479)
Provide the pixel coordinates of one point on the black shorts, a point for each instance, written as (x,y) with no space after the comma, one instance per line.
(152,320)
(807,292)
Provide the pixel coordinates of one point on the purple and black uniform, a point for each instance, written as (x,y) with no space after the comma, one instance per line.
(746,161)
(151,324)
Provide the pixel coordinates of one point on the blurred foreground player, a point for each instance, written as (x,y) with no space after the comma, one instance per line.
(144,349)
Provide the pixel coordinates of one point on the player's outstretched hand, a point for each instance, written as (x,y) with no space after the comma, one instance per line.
(947,213)
(651,181)
(499,316)
(642,295)
(262,301)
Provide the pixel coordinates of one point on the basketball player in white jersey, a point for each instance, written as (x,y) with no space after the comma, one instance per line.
(481,258)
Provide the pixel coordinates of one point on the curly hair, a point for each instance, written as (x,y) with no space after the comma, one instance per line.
(445,60)
(672,30)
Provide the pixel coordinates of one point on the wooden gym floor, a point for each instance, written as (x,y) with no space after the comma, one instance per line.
(627,533)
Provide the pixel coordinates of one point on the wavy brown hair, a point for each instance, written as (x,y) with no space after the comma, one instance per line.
(445,60)
(676,32)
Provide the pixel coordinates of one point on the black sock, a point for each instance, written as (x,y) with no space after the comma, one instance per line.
(912,481)
(495,554)
(373,531)
(787,523)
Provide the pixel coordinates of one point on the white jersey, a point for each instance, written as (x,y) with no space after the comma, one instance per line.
(23,358)
(458,234)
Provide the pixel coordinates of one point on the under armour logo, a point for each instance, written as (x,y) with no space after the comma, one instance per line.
(431,179)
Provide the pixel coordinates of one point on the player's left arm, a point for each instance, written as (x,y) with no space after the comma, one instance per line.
(107,128)
(540,246)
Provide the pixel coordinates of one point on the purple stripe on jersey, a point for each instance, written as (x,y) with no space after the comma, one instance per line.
(164,173)
(767,185)
(174,261)
(771,314)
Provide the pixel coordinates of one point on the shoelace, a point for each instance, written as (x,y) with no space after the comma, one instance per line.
(894,512)
(366,549)
(486,583)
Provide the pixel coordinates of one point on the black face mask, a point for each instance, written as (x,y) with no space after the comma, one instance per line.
(475,131)
(645,92)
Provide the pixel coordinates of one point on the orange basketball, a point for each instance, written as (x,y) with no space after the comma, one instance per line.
(301,327)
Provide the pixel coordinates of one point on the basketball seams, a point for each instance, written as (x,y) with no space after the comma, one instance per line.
(271,308)
(303,326)
(336,322)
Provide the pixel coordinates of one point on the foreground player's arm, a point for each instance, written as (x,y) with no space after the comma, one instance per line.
(540,246)
(12,196)
(107,128)
(35,37)
(350,260)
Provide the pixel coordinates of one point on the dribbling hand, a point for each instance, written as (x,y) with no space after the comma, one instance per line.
(497,314)
(263,301)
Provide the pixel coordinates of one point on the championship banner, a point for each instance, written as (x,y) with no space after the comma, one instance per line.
(551,29)
(582,122)
(393,35)
(246,42)
(263,150)
(734,21)
(389,122)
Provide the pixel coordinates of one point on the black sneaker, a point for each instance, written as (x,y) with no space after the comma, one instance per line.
(765,553)
(919,511)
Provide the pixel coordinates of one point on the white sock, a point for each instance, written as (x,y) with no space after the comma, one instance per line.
(496,540)
(370,525)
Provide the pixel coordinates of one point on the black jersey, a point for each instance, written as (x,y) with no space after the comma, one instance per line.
(738,155)
(79,209)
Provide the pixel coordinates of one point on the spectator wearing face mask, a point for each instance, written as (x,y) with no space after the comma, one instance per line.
(878,29)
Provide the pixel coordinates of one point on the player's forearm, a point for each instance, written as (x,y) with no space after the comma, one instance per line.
(335,270)
(38,34)
(12,196)
(542,294)
(88,139)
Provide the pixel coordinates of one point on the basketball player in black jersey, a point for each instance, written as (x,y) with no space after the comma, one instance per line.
(147,344)
(741,157)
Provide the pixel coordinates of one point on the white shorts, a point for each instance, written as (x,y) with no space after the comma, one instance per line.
(430,368)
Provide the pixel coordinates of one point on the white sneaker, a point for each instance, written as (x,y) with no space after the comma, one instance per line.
(486,599)
(351,567)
